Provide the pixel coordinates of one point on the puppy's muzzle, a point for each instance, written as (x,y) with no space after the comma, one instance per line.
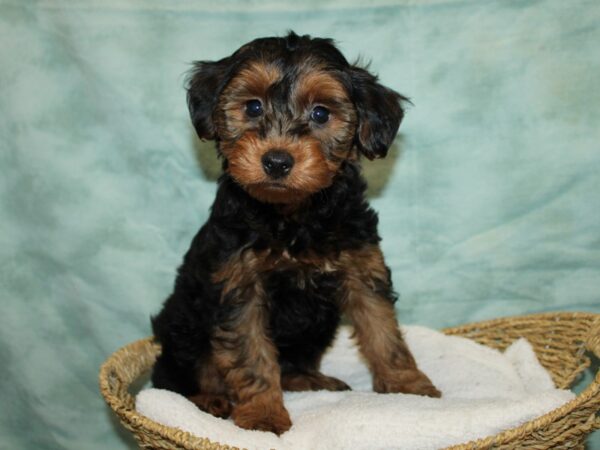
(277,163)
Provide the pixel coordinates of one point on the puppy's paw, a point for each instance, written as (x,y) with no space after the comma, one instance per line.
(407,381)
(260,416)
(333,384)
(217,405)
(313,381)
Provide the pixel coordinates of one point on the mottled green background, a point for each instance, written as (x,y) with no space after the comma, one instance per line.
(491,207)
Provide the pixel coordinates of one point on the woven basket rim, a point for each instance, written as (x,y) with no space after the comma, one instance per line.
(132,416)
(187,440)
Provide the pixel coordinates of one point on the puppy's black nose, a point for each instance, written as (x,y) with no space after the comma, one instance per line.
(277,163)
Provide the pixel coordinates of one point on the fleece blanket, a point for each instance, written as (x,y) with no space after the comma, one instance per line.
(484,392)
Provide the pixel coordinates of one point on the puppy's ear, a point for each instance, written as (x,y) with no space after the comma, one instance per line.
(204,85)
(379,113)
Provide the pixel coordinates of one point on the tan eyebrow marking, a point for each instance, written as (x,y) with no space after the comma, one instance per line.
(320,87)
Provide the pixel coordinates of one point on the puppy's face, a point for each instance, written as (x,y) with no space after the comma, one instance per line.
(286,112)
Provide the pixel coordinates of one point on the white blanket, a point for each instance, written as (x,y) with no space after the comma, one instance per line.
(484,392)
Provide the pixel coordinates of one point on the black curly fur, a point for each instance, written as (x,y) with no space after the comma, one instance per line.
(303,321)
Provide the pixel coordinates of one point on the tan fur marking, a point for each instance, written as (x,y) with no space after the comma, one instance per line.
(210,380)
(243,352)
(216,404)
(311,172)
(318,86)
(243,268)
(244,158)
(376,329)
(247,267)
(313,381)
(252,82)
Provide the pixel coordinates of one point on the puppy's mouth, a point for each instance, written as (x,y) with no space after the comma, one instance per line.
(275,192)
(274,185)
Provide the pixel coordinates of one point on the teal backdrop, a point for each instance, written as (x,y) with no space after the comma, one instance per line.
(490,206)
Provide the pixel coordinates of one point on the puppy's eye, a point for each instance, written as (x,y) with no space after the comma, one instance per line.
(320,114)
(254,108)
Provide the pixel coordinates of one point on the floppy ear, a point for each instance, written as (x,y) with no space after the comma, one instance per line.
(379,113)
(204,85)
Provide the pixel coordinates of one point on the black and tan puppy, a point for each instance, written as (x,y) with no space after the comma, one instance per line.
(291,242)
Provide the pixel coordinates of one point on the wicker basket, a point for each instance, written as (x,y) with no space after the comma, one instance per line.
(560,340)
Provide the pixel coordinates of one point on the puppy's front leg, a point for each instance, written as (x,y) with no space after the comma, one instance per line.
(368,302)
(246,356)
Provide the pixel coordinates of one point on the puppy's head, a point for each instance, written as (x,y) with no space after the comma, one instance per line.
(286,112)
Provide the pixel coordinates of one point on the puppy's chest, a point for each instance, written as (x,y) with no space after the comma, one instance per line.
(300,241)
(302,281)
(302,256)
(302,294)
(303,269)
(302,303)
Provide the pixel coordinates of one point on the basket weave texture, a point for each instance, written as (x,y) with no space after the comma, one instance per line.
(563,343)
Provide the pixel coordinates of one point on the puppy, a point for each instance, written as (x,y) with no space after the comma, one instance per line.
(291,244)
